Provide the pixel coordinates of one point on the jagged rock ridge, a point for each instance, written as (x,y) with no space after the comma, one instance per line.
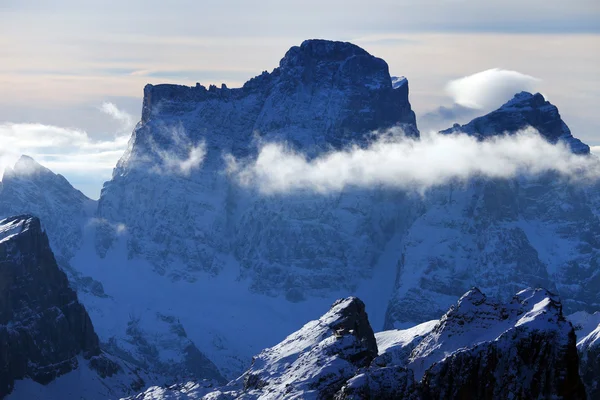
(478,349)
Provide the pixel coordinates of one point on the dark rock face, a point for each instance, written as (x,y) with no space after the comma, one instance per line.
(387,383)
(496,371)
(524,110)
(43,327)
(353,320)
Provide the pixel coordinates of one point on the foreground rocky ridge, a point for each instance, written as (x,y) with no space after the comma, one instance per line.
(478,349)
(43,327)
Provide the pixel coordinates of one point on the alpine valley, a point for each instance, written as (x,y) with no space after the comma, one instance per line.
(182,283)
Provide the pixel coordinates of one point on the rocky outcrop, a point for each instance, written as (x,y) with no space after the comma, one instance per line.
(479,349)
(524,349)
(43,327)
(523,111)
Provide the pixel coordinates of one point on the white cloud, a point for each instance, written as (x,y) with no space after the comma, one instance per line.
(182,156)
(68,151)
(489,89)
(123,117)
(404,163)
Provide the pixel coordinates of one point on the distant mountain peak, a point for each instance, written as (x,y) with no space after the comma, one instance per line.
(321,50)
(26,165)
(522,111)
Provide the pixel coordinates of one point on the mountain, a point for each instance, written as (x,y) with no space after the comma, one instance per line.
(501,235)
(192,266)
(478,349)
(524,110)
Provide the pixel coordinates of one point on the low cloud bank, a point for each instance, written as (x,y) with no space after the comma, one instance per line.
(396,161)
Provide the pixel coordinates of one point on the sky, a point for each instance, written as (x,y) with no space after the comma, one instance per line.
(72,72)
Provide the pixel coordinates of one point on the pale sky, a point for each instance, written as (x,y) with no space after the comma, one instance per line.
(71,71)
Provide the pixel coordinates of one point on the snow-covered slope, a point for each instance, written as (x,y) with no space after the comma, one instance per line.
(478,349)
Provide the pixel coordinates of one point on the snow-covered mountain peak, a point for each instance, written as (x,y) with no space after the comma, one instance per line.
(28,171)
(476,319)
(472,298)
(26,165)
(522,111)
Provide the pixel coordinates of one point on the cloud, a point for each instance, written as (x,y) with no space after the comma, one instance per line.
(396,161)
(442,117)
(68,151)
(65,148)
(182,156)
(123,117)
(489,89)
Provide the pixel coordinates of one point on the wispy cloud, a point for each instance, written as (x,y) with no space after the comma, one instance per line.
(181,156)
(123,117)
(400,162)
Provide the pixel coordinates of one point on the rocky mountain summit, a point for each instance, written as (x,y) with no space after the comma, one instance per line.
(478,349)
(522,111)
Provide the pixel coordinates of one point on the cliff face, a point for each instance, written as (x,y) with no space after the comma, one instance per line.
(323,95)
(43,327)
(589,352)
